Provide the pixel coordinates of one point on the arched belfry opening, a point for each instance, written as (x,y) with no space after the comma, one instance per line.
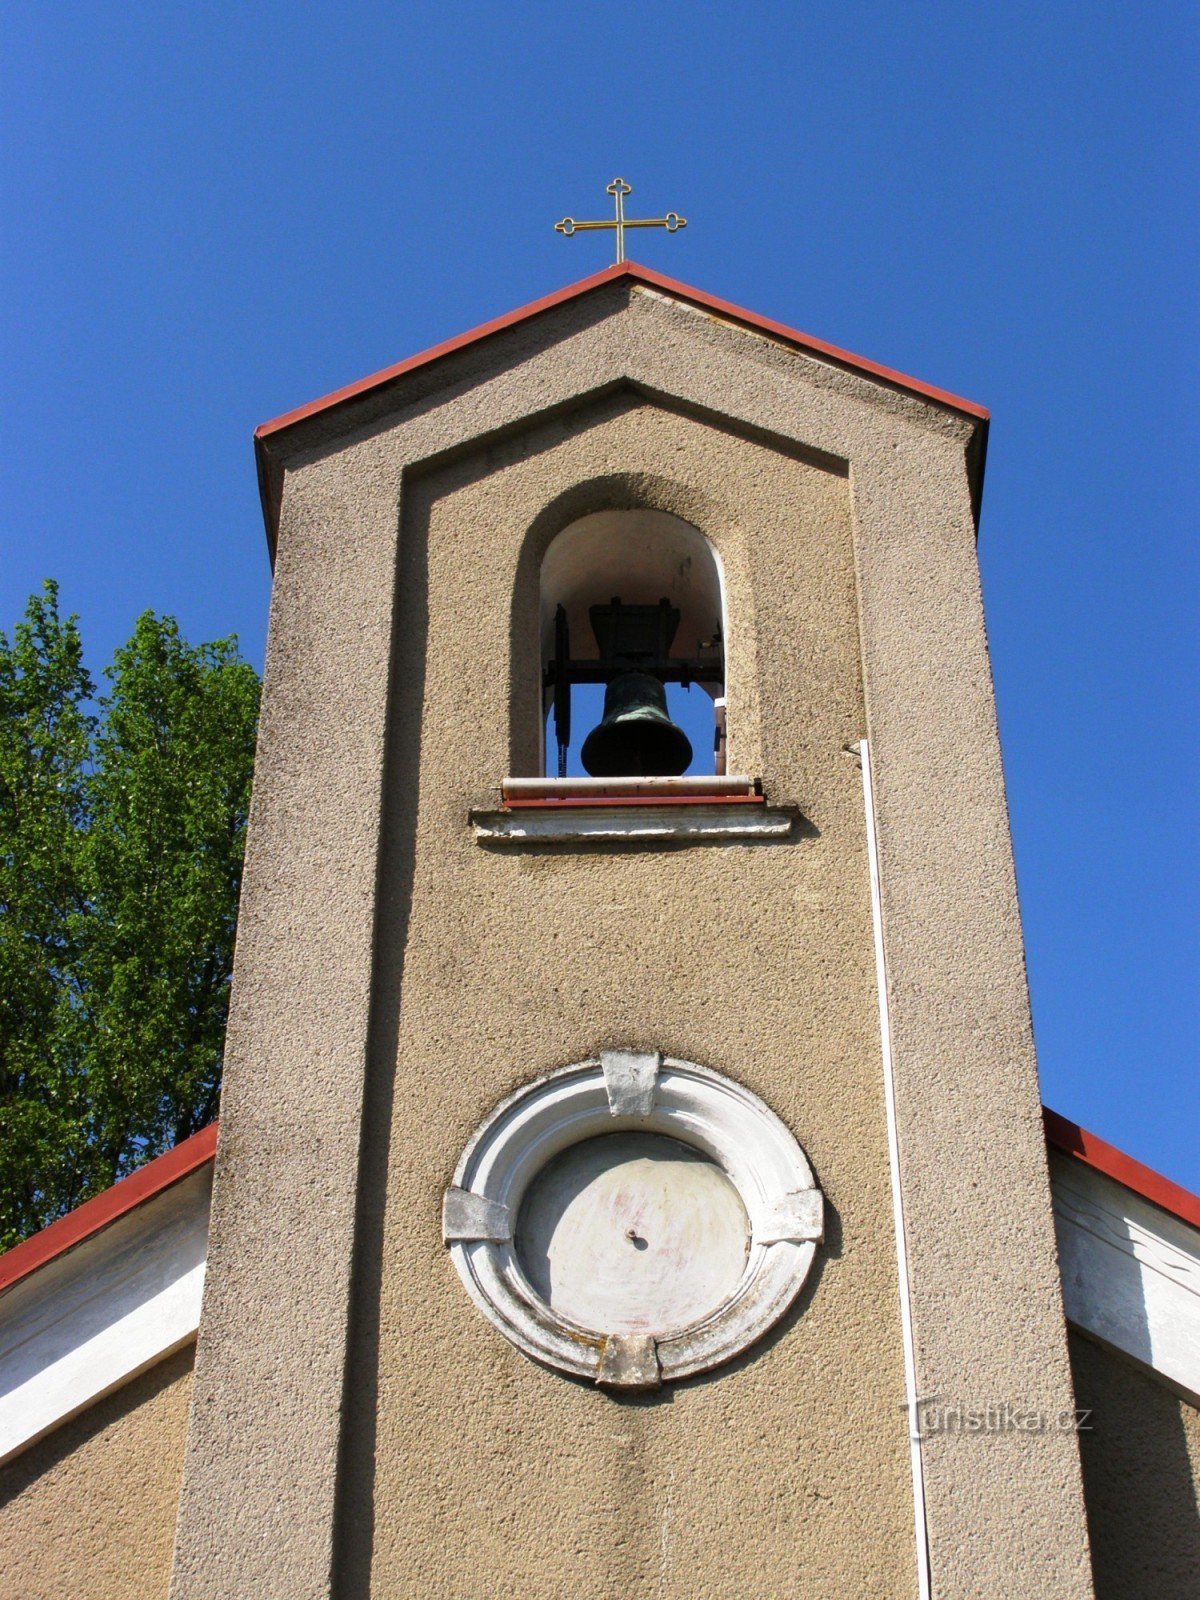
(632,621)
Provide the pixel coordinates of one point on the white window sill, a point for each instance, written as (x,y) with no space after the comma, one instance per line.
(663,810)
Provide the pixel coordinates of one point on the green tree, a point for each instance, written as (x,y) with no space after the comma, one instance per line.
(45,748)
(121,853)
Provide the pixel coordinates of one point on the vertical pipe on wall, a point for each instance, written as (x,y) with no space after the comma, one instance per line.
(906,1333)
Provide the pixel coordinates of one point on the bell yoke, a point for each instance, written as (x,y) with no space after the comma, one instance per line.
(636,737)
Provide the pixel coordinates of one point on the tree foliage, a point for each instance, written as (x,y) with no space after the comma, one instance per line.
(121,838)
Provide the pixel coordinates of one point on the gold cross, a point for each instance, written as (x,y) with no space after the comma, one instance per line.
(618,188)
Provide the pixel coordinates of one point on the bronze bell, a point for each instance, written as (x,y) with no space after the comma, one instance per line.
(636,738)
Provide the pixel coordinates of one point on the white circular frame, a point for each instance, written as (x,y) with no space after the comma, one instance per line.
(684,1101)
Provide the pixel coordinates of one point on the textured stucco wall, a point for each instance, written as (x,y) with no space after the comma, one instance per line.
(491,1475)
(285,1427)
(1141,1478)
(89,1511)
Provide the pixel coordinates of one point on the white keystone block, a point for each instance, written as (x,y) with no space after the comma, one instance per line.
(630,1079)
(797,1217)
(629,1361)
(467,1217)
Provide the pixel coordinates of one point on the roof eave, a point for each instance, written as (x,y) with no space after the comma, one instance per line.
(107,1207)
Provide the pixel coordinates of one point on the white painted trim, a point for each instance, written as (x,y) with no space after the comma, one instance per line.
(712,1113)
(1130,1271)
(920,1525)
(90,1320)
(668,823)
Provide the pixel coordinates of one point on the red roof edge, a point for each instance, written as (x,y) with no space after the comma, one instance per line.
(1075,1141)
(269,488)
(447,347)
(657,280)
(97,1213)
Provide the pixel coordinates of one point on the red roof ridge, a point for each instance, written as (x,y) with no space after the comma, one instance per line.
(639,274)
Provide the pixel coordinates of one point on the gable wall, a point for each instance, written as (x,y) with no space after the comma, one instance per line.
(1141,1477)
(317,1018)
(90,1509)
(494,967)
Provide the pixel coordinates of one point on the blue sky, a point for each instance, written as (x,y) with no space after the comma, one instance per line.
(217,213)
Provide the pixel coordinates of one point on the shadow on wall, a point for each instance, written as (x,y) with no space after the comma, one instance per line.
(1140,1450)
(1126,1291)
(354,1531)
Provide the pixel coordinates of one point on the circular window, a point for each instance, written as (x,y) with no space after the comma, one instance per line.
(633,1233)
(633,1218)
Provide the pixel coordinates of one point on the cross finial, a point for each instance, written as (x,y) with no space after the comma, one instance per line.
(618,188)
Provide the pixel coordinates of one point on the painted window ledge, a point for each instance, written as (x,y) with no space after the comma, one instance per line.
(594,810)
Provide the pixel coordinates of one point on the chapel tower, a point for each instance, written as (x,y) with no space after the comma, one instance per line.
(608,1163)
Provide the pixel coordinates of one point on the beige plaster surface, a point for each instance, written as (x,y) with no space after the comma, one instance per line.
(89,1511)
(749,440)
(1141,1478)
(793,1469)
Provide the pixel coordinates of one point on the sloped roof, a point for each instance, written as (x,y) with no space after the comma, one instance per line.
(98,1213)
(627,270)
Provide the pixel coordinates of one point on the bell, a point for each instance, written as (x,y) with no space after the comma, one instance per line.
(636,738)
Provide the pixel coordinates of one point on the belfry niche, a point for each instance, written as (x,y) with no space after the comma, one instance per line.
(632,601)
(621,726)
(628,962)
